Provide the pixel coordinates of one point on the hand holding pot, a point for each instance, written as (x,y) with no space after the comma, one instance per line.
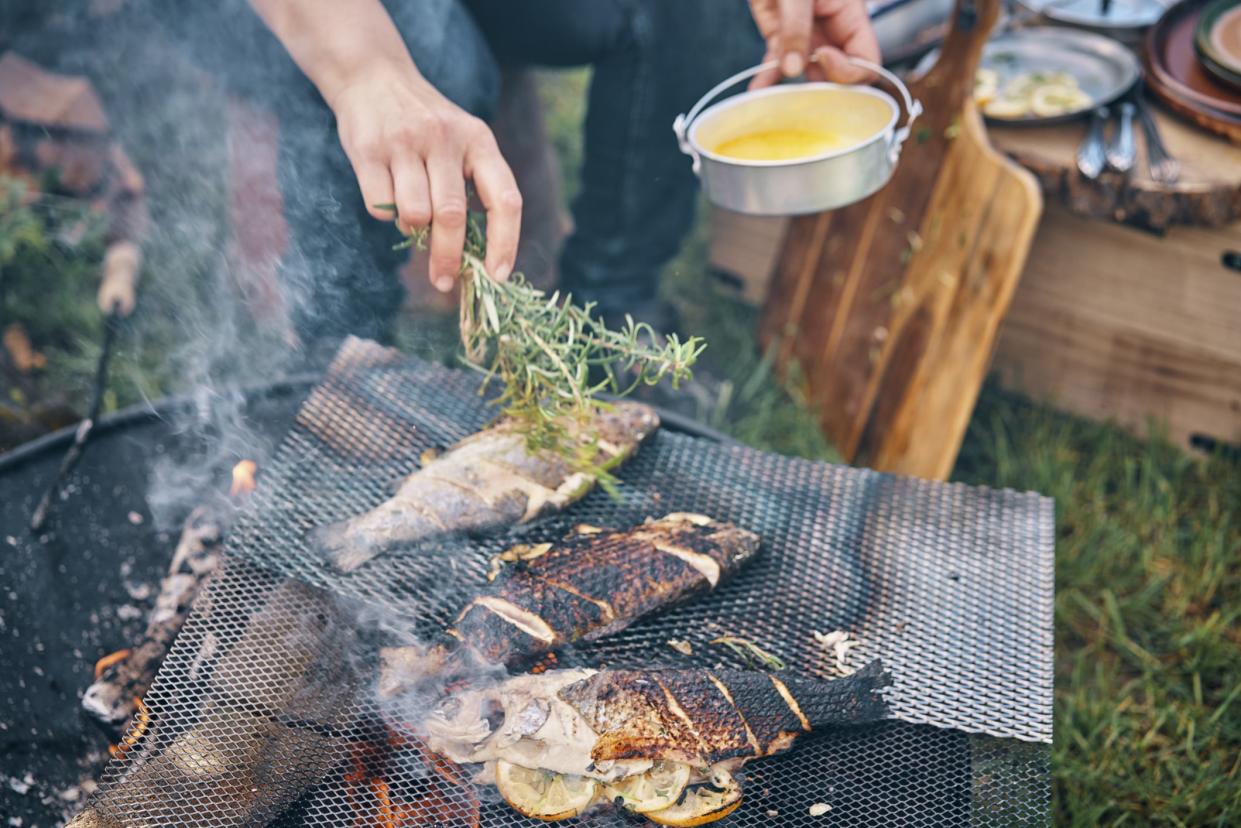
(826,30)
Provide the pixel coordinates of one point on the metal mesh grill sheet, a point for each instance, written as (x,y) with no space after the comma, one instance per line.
(950,585)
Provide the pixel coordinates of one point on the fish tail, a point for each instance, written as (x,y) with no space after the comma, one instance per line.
(853,699)
(345,549)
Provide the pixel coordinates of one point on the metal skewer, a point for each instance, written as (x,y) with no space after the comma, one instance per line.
(74,454)
(116,299)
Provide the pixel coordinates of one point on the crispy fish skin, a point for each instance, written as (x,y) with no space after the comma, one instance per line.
(708,716)
(589,585)
(489,479)
(597,583)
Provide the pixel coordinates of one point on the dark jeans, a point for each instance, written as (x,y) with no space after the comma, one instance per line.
(652,59)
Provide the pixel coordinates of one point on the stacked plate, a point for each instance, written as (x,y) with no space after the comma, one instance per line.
(1193,62)
(1218,40)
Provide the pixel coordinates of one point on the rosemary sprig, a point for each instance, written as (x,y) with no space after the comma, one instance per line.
(750,652)
(550,357)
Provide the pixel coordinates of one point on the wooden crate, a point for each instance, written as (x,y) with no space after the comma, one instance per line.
(1114,323)
(1108,322)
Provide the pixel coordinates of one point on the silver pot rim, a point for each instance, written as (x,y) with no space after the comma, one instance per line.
(685,125)
(745,97)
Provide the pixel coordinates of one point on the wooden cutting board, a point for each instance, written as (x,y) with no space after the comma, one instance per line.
(890,306)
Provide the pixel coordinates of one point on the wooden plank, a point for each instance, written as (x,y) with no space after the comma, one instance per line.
(746,248)
(1081,365)
(1171,287)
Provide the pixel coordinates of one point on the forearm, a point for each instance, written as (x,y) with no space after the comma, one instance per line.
(335,41)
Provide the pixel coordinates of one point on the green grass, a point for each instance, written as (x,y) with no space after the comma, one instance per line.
(1148,613)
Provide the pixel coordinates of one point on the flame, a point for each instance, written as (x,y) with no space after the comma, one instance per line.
(243,478)
(450,800)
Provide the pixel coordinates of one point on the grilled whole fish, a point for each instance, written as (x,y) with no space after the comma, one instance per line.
(612,725)
(591,584)
(488,480)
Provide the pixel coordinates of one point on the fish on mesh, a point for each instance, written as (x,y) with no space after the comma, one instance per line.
(489,480)
(591,584)
(598,734)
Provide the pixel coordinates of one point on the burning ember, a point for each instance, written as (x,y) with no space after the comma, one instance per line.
(450,800)
(109,660)
(142,720)
(243,478)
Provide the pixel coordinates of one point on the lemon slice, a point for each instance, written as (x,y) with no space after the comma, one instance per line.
(543,794)
(986,86)
(654,790)
(700,805)
(1006,108)
(1058,99)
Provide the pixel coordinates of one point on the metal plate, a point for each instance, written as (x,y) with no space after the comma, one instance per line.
(1105,69)
(1120,15)
(951,585)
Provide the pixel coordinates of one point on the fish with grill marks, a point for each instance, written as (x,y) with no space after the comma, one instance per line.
(599,730)
(591,584)
(489,480)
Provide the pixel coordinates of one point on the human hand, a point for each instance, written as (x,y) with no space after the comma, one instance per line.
(411,146)
(814,36)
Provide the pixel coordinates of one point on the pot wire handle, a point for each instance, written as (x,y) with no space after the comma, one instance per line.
(913,108)
(681,125)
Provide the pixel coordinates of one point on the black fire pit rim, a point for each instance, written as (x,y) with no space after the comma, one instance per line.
(58,441)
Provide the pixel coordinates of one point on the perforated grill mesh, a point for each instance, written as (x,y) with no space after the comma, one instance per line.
(265,706)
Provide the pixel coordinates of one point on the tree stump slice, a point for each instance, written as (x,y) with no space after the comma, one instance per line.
(1208,193)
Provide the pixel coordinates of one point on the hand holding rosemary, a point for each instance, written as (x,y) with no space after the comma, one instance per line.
(552,357)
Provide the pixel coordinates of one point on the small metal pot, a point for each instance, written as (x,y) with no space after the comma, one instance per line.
(804,185)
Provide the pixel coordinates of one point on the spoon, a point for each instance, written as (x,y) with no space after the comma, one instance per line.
(1091,155)
(1123,150)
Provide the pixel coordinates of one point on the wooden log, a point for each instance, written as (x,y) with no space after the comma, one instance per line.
(112,697)
(1208,193)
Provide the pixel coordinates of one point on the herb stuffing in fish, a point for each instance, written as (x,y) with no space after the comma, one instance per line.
(489,480)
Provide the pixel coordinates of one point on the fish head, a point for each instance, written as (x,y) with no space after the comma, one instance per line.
(465,720)
(729,546)
(626,424)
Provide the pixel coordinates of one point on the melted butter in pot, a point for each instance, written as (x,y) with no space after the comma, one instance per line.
(781,144)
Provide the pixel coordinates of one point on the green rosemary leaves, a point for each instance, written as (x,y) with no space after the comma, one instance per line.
(550,357)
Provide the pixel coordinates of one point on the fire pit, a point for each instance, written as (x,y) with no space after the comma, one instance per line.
(265,709)
(79,589)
